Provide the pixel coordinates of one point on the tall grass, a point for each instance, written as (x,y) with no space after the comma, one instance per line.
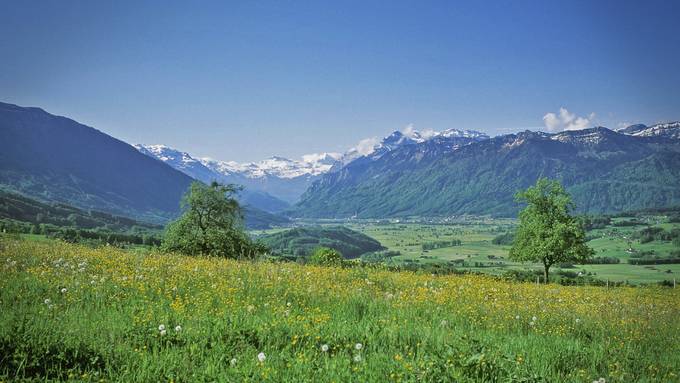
(69,312)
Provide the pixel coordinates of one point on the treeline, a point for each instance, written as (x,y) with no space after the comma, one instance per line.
(19,208)
(592,222)
(655,233)
(23,215)
(602,261)
(651,258)
(77,235)
(503,239)
(441,244)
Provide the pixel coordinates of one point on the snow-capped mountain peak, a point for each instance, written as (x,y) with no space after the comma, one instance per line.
(462,133)
(174,157)
(667,129)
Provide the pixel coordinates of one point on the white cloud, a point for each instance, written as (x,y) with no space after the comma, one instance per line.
(410,131)
(316,157)
(366,146)
(565,120)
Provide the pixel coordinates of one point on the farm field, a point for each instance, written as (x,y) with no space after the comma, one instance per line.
(76,313)
(481,255)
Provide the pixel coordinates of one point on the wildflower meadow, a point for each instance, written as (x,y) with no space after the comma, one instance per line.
(81,314)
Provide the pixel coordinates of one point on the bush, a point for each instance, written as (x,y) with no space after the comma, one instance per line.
(324,256)
(503,239)
(602,261)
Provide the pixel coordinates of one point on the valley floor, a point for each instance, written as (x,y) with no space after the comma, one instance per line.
(75,313)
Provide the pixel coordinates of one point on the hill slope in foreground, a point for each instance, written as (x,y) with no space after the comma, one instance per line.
(73,312)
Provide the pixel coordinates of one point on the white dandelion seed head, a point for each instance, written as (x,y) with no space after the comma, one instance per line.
(48,301)
(232,362)
(161,327)
(517,317)
(178,328)
(163,332)
(358,346)
(261,357)
(324,348)
(63,290)
(533,319)
(357,358)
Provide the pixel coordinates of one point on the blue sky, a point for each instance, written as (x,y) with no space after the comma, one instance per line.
(247,80)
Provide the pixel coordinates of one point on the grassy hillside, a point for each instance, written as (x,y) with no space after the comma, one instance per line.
(301,242)
(123,316)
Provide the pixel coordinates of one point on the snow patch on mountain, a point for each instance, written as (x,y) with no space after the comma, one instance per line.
(310,165)
(667,129)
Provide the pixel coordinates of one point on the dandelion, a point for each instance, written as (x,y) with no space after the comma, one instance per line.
(163,332)
(533,319)
(517,317)
(357,358)
(63,290)
(358,346)
(232,362)
(48,301)
(178,328)
(261,357)
(161,327)
(324,348)
(578,320)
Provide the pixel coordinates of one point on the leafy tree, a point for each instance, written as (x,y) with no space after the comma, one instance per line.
(326,256)
(547,232)
(211,224)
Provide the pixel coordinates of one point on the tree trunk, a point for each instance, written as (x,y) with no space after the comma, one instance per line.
(545,272)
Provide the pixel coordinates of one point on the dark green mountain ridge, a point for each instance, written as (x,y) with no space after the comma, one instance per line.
(55,159)
(605,171)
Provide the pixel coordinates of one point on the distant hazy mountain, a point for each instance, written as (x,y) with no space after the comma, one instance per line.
(276,181)
(56,159)
(286,179)
(605,171)
(195,169)
(669,130)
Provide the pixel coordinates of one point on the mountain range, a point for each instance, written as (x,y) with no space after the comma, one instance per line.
(407,173)
(604,170)
(275,183)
